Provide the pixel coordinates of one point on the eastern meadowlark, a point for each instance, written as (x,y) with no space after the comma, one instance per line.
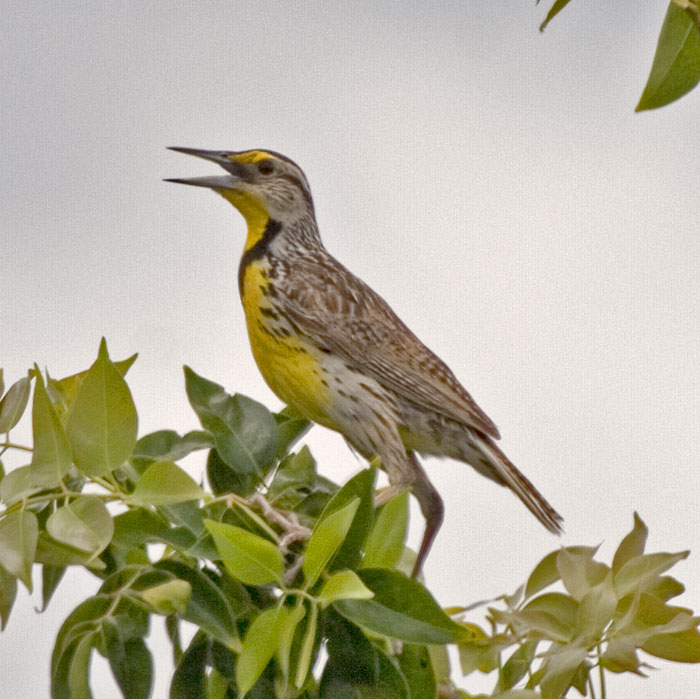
(332,348)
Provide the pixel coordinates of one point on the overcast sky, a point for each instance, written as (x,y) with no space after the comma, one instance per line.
(492,183)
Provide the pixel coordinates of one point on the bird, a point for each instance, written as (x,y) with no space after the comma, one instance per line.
(332,348)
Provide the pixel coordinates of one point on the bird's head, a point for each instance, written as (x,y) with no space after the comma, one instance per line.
(261,184)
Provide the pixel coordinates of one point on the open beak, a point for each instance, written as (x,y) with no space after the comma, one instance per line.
(237,172)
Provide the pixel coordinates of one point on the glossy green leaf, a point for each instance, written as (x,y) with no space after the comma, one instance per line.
(17,484)
(208,607)
(244,431)
(52,456)
(170,597)
(13,404)
(18,536)
(343,585)
(416,668)
(289,620)
(84,523)
(556,8)
(8,592)
(386,539)
(327,536)
(164,483)
(632,545)
(291,427)
(168,445)
(190,679)
(401,608)
(359,486)
(131,663)
(102,422)
(260,643)
(676,67)
(307,646)
(248,557)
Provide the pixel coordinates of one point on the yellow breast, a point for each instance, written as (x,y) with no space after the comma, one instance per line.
(291,365)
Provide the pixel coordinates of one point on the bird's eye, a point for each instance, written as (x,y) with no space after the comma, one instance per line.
(266,167)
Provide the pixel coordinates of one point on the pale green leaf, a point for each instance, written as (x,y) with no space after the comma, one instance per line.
(326,538)
(343,585)
(307,646)
(164,483)
(18,536)
(560,665)
(17,484)
(52,456)
(632,545)
(260,643)
(84,523)
(643,570)
(102,423)
(13,404)
(169,597)
(597,608)
(579,571)
(247,556)
(8,592)
(386,539)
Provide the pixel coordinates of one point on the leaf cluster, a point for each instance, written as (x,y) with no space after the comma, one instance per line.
(285,584)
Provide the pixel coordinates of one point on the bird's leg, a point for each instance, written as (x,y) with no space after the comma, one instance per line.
(431,506)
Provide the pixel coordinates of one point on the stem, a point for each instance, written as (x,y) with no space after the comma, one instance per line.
(12,445)
(601,671)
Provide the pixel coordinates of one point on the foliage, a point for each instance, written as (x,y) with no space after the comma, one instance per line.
(676,66)
(277,563)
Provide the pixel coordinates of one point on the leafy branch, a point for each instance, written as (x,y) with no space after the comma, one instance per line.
(274,563)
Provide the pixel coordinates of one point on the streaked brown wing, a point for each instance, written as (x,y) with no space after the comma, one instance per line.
(340,311)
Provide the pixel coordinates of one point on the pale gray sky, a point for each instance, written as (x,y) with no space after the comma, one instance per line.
(492,183)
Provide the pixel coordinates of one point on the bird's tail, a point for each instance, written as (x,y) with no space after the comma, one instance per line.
(511,477)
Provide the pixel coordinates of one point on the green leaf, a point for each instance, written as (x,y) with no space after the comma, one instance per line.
(289,620)
(343,585)
(164,483)
(620,656)
(556,8)
(8,592)
(190,679)
(2,382)
(260,643)
(54,553)
(676,67)
(17,485)
(386,539)
(102,422)
(517,666)
(131,663)
(632,545)
(13,404)
(307,646)
(643,570)
(327,536)
(51,576)
(291,427)
(401,608)
(579,571)
(18,536)
(597,608)
(359,486)
(170,597)
(562,608)
(52,456)
(63,391)
(560,666)
(416,667)
(681,647)
(167,445)
(84,523)
(207,607)
(546,572)
(244,431)
(248,557)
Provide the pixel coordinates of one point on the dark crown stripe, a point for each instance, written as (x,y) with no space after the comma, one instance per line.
(258,250)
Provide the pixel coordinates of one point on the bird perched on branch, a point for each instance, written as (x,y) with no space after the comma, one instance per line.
(332,348)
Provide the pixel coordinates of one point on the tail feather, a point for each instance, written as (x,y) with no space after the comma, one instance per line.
(511,477)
